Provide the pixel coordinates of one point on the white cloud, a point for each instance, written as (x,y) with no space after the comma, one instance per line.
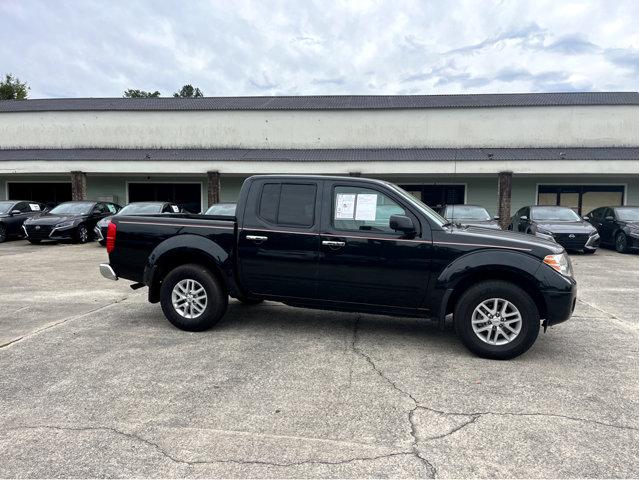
(100,48)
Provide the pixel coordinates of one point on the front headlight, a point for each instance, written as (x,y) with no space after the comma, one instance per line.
(104,222)
(560,263)
(65,225)
(544,232)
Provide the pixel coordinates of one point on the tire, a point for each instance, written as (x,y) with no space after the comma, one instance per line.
(588,252)
(527,327)
(215,300)
(33,242)
(621,243)
(3,233)
(81,234)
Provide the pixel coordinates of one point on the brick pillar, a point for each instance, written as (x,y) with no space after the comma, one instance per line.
(213,180)
(505,180)
(78,185)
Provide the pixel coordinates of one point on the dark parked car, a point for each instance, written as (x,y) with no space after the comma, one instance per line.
(68,221)
(472,215)
(222,209)
(618,227)
(133,208)
(349,244)
(560,224)
(13,213)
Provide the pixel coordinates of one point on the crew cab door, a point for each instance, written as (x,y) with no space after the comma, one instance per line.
(278,244)
(362,260)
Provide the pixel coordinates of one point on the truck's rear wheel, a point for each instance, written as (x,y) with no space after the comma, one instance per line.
(192,298)
(496,319)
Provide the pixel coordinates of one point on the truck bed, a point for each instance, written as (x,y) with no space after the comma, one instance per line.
(141,238)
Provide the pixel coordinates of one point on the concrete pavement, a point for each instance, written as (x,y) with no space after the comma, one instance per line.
(96,383)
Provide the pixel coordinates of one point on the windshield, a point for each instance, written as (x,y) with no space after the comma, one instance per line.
(73,208)
(557,214)
(470,212)
(221,209)
(141,208)
(5,206)
(625,214)
(425,209)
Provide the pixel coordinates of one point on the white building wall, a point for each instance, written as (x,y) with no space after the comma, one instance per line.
(571,126)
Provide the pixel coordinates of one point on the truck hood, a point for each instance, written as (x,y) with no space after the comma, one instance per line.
(479,223)
(506,238)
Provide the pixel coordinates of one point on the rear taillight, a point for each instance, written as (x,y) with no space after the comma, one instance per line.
(110,240)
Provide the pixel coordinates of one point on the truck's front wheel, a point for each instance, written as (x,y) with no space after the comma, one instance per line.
(192,298)
(496,319)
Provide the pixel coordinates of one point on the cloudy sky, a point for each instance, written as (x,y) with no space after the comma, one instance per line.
(93,48)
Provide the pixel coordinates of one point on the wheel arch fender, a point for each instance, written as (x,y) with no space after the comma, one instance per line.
(182,249)
(513,266)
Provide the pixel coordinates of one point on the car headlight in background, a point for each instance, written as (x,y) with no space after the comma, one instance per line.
(545,234)
(62,225)
(104,222)
(560,263)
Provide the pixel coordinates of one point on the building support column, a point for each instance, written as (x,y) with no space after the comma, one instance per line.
(213,186)
(505,192)
(78,185)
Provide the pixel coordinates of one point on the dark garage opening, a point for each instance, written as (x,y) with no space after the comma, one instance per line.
(49,193)
(436,196)
(185,195)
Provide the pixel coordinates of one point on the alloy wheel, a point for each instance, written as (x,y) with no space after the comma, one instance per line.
(621,242)
(83,234)
(189,298)
(496,321)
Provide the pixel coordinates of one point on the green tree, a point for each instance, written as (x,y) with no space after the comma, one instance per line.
(11,88)
(134,93)
(188,91)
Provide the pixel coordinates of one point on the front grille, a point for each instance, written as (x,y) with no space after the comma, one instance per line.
(576,243)
(38,234)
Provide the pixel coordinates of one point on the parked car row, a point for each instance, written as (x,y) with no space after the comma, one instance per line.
(616,227)
(83,221)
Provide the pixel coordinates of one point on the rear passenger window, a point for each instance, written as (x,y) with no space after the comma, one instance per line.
(288,204)
(269,201)
(297,205)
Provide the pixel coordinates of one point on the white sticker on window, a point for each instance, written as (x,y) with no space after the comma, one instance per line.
(175,208)
(34,207)
(345,206)
(366,207)
(111,208)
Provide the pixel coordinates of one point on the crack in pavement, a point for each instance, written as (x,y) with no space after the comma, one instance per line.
(473,416)
(174,459)
(65,320)
(411,413)
(611,316)
(476,415)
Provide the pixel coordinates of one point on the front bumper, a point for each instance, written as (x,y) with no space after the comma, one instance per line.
(100,234)
(47,232)
(560,304)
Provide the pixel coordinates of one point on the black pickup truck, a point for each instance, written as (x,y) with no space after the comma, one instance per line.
(348,244)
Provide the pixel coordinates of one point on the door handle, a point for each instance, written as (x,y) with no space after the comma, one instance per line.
(333,243)
(256,238)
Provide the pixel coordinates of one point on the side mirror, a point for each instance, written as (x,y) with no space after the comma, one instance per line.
(401,223)
(523,217)
(15,212)
(609,218)
(586,217)
(495,217)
